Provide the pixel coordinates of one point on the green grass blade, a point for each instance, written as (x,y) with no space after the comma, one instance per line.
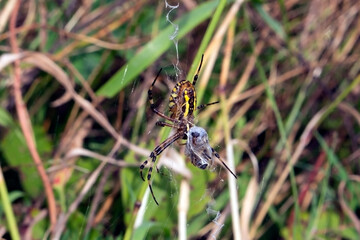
(273,24)
(13,229)
(154,49)
(207,37)
(5,118)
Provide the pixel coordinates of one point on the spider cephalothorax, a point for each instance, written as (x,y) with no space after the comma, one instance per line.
(182,104)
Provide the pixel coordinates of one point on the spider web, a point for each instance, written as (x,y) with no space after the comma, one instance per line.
(218,226)
(174,35)
(167,176)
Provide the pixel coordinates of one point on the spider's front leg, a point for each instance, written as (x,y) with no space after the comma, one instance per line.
(153,156)
(218,157)
(143,165)
(157,151)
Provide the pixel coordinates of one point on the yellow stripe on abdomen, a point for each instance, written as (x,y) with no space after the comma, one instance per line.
(187,105)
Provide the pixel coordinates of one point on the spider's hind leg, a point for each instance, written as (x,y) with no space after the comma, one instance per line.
(202,106)
(150,95)
(165,124)
(152,104)
(198,71)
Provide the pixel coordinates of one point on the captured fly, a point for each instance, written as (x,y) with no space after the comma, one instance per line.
(199,151)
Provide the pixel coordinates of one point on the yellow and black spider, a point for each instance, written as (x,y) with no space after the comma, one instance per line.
(182,103)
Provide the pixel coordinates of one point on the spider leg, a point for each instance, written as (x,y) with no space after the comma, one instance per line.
(142,166)
(197,73)
(202,106)
(152,193)
(218,156)
(151,100)
(165,124)
(157,151)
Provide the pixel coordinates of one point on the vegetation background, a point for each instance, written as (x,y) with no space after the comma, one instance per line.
(75,123)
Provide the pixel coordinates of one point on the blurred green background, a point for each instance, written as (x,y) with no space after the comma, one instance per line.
(286,74)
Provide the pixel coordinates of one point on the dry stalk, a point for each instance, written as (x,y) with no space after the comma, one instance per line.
(25,123)
(304,140)
(60,226)
(346,208)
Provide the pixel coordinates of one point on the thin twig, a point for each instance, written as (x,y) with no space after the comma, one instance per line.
(234,202)
(6,206)
(183,208)
(304,140)
(346,208)
(89,183)
(97,198)
(25,123)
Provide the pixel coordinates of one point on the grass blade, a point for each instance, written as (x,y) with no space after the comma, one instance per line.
(154,49)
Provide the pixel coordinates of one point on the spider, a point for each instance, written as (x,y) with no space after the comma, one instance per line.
(182,103)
